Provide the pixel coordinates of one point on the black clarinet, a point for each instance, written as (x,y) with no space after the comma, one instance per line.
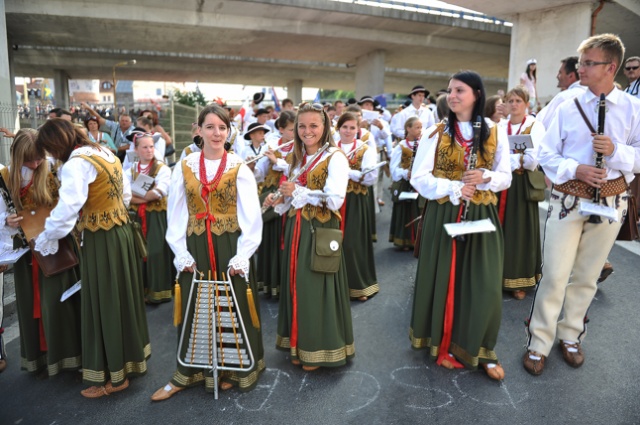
(11,208)
(473,159)
(599,157)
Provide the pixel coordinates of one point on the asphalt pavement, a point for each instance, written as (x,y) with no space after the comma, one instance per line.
(386,383)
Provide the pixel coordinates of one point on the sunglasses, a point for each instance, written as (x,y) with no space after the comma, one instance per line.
(631,68)
(315,106)
(137,136)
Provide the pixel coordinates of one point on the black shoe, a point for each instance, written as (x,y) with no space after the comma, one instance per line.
(607,270)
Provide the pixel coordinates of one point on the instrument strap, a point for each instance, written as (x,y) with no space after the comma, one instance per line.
(584,116)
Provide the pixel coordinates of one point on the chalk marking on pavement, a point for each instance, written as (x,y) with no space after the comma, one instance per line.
(421,387)
(488,403)
(271,388)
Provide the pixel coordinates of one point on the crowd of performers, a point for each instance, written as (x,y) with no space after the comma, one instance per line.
(258,201)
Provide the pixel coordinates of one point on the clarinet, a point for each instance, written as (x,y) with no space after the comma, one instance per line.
(473,158)
(11,208)
(599,157)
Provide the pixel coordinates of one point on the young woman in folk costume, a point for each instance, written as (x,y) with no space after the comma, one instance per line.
(49,329)
(355,211)
(215,225)
(457,300)
(520,218)
(151,213)
(314,319)
(405,212)
(269,171)
(115,338)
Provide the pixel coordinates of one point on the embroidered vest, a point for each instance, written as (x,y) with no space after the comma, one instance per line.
(316,179)
(405,159)
(450,163)
(187,151)
(104,208)
(222,202)
(355,163)
(155,205)
(27,200)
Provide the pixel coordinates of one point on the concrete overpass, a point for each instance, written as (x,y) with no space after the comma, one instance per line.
(550,30)
(315,43)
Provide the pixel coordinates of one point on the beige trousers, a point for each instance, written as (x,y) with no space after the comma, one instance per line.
(573,249)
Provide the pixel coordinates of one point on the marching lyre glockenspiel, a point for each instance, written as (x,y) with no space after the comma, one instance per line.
(216,338)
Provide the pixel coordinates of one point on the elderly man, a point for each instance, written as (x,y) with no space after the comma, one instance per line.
(118,131)
(632,72)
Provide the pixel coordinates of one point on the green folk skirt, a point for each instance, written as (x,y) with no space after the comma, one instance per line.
(115,337)
(371,207)
(522,246)
(324,328)
(157,270)
(51,342)
(477,288)
(225,247)
(270,253)
(358,248)
(403,213)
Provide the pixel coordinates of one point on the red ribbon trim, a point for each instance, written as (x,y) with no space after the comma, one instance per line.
(37,312)
(293,271)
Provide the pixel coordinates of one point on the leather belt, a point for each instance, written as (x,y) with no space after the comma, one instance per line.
(583,190)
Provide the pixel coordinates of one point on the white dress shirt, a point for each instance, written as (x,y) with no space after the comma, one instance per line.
(545,116)
(567,142)
(424,114)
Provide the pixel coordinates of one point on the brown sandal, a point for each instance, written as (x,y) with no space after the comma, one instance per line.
(224,386)
(307,368)
(110,389)
(94,392)
(295,362)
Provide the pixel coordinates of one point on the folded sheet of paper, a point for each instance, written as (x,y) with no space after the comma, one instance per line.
(10,256)
(520,142)
(408,196)
(75,288)
(369,116)
(141,185)
(467,227)
(591,208)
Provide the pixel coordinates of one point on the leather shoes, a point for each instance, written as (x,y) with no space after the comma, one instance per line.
(573,359)
(110,389)
(166,392)
(606,271)
(534,367)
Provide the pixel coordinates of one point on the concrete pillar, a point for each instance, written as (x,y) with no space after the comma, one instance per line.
(294,91)
(564,28)
(370,74)
(8,116)
(61,84)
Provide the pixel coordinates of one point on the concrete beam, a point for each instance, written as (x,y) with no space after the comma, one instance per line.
(370,72)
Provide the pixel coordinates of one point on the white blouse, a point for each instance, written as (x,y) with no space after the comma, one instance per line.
(431,187)
(335,186)
(75,177)
(398,173)
(162,179)
(248,206)
(368,160)
(530,161)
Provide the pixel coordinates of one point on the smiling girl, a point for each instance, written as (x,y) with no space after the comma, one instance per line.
(457,301)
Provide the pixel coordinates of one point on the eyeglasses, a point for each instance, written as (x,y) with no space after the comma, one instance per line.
(589,64)
(631,68)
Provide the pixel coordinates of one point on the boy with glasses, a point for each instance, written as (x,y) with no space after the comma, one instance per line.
(575,248)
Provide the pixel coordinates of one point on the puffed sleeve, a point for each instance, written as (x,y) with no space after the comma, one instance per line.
(249,220)
(422,178)
(75,177)
(397,173)
(368,161)
(178,216)
(335,186)
(501,173)
(163,180)
(530,160)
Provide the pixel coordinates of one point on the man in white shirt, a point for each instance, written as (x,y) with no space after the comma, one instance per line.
(574,247)
(632,72)
(569,83)
(416,109)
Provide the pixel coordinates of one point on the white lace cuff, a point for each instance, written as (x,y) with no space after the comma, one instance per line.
(300,198)
(242,264)
(281,165)
(355,175)
(46,246)
(455,192)
(283,207)
(183,261)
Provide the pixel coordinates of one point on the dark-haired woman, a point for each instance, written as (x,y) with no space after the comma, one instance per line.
(355,211)
(529,80)
(151,213)
(314,319)
(520,218)
(457,302)
(215,226)
(49,329)
(269,170)
(115,338)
